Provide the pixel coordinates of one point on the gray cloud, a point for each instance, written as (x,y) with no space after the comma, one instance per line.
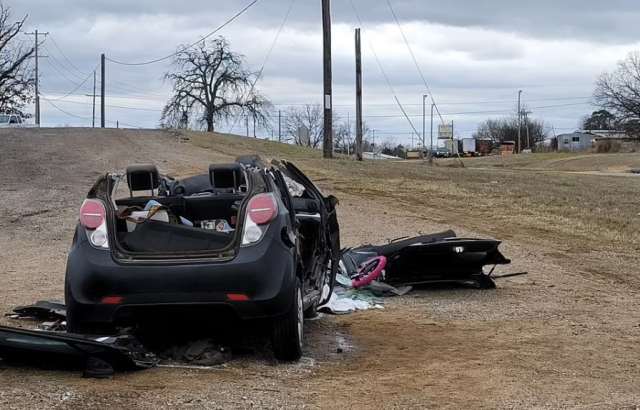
(475,65)
(612,21)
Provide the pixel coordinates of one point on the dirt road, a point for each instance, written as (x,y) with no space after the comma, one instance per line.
(564,336)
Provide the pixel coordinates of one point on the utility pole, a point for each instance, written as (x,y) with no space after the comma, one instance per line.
(358,97)
(279,125)
(93,123)
(254,126)
(36,34)
(519,121)
(526,124)
(246,122)
(431,148)
(424,121)
(373,145)
(328,120)
(452,130)
(103,87)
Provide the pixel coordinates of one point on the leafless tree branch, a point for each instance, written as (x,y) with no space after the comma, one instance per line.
(211,86)
(17,80)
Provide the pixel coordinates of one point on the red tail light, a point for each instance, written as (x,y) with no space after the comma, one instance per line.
(262,209)
(92,214)
(111,300)
(236,297)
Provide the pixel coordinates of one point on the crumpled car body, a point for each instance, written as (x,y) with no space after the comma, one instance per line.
(434,258)
(244,242)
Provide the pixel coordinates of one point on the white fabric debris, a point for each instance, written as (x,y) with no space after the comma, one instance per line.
(338,305)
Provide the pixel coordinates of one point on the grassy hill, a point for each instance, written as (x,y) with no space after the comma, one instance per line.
(506,199)
(573,162)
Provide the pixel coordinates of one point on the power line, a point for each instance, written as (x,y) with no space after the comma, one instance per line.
(63,111)
(364,116)
(380,65)
(62,65)
(286,16)
(65,57)
(114,106)
(415,61)
(74,82)
(80,85)
(197,42)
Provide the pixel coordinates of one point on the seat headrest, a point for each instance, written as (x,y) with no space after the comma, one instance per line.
(143,177)
(253,161)
(225,176)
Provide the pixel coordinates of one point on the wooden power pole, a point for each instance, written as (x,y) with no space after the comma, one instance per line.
(37,56)
(103,87)
(327,144)
(358,97)
(93,122)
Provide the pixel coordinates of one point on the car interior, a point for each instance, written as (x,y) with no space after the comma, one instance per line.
(203,220)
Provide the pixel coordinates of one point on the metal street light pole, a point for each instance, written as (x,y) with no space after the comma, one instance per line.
(424,123)
(431,149)
(519,121)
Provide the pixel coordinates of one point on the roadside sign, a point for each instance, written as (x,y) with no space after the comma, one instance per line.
(445,132)
(303,135)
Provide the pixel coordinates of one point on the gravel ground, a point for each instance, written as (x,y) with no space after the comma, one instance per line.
(561,337)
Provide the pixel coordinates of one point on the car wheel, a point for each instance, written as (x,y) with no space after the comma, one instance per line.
(288,329)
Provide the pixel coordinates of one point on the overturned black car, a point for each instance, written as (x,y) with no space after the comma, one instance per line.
(245,241)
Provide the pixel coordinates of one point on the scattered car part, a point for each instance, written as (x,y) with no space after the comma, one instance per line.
(44,310)
(441,257)
(70,350)
(368,271)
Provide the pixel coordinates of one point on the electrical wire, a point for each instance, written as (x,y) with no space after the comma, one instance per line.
(61,110)
(286,16)
(60,64)
(487,102)
(433,101)
(414,60)
(382,69)
(76,89)
(191,45)
(117,106)
(364,116)
(64,56)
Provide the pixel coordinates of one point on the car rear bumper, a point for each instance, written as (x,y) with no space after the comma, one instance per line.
(262,275)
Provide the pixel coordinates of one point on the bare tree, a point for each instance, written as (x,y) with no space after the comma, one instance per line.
(211,87)
(534,130)
(17,80)
(389,143)
(345,135)
(619,93)
(312,117)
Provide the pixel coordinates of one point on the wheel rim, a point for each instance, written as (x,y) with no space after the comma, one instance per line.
(300,317)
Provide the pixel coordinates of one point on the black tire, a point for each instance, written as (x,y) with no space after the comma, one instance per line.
(288,332)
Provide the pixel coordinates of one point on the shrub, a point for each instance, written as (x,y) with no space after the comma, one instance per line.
(606,146)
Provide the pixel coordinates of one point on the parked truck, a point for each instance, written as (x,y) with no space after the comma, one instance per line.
(14,121)
(472,147)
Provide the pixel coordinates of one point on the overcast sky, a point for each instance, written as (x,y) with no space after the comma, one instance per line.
(475,55)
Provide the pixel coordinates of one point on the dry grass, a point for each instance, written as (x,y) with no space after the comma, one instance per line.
(569,211)
(557,161)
